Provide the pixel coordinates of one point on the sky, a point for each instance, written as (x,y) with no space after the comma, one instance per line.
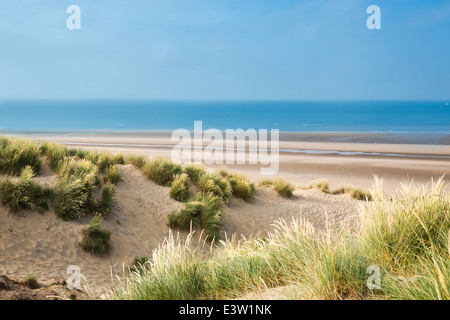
(225,50)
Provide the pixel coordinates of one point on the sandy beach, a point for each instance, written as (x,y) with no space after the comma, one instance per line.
(396,162)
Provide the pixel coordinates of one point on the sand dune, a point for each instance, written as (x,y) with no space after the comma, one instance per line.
(44,245)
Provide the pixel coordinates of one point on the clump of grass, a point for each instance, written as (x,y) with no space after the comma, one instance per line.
(322,185)
(23,195)
(32,282)
(112,175)
(265,183)
(162,170)
(73,197)
(194,172)
(284,188)
(95,240)
(55,153)
(203,211)
(18,153)
(108,200)
(354,193)
(107,160)
(240,185)
(215,184)
(137,161)
(180,188)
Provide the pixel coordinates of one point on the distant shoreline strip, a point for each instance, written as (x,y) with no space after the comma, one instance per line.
(292,151)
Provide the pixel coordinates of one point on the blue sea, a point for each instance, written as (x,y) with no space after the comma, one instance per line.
(289,116)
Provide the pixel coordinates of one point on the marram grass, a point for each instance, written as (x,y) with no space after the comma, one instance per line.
(406,236)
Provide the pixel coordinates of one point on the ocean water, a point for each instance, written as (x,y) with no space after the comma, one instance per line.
(294,116)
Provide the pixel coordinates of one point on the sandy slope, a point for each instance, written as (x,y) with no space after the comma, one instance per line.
(44,245)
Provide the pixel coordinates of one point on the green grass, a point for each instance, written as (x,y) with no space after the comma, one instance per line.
(32,282)
(406,236)
(180,188)
(203,211)
(55,153)
(283,187)
(23,194)
(18,153)
(107,201)
(215,184)
(355,193)
(112,175)
(95,240)
(240,185)
(137,161)
(194,172)
(162,171)
(321,185)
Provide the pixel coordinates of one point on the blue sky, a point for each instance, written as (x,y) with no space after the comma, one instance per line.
(225,49)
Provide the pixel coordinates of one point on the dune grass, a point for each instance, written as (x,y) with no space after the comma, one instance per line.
(23,194)
(240,185)
(202,211)
(180,188)
(95,240)
(55,153)
(137,161)
(112,175)
(18,153)
(107,201)
(355,193)
(283,187)
(406,236)
(162,170)
(215,184)
(194,172)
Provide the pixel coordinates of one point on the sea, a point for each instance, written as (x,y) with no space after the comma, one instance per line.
(414,117)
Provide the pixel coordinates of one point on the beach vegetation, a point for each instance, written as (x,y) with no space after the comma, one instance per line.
(95,240)
(180,188)
(112,175)
(162,170)
(202,211)
(23,194)
(240,185)
(405,236)
(18,153)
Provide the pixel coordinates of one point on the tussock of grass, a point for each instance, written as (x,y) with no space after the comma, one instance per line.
(107,160)
(107,201)
(32,282)
(354,193)
(194,172)
(137,161)
(240,185)
(203,211)
(95,240)
(73,197)
(322,185)
(406,236)
(284,188)
(162,170)
(265,183)
(112,175)
(18,153)
(55,153)
(215,184)
(23,194)
(180,188)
